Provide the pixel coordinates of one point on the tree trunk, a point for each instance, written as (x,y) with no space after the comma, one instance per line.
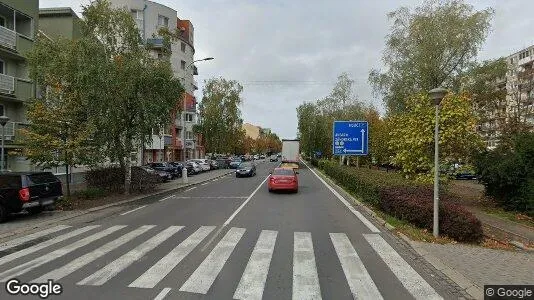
(127,174)
(67,179)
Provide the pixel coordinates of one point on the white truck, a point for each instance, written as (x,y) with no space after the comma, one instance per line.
(290,153)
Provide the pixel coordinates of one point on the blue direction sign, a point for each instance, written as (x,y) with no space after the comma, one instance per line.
(351,138)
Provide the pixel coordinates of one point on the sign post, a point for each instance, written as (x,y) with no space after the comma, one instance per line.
(350,138)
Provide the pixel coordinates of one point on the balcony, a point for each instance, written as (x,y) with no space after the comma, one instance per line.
(12,130)
(8,38)
(159,143)
(16,88)
(195,84)
(157,44)
(177,143)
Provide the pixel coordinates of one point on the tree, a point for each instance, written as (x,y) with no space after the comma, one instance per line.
(427,48)
(123,91)
(379,151)
(412,134)
(220,115)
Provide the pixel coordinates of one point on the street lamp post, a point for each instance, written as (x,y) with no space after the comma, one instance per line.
(3,122)
(436,95)
(184,169)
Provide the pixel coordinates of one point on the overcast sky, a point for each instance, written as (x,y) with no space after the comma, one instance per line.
(288,52)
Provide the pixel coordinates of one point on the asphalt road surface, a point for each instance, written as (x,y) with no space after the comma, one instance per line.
(227,239)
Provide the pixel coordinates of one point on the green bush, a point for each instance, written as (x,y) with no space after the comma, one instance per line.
(90,193)
(508,173)
(365,183)
(111,179)
(406,200)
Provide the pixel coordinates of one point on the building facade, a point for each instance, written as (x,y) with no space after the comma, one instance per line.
(177,140)
(18,28)
(58,22)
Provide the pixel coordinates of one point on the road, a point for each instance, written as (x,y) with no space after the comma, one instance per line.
(227,239)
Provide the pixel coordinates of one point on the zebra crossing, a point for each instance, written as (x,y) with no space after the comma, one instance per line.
(305,279)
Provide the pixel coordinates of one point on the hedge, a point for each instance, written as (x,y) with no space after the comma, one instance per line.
(112,179)
(406,200)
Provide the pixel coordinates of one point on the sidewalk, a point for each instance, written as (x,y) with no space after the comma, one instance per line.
(25,223)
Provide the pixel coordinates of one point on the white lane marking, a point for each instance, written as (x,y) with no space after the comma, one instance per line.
(347,204)
(130,211)
(409,278)
(305,278)
(106,273)
(205,183)
(253,280)
(41,260)
(189,189)
(19,241)
(92,256)
(163,293)
(203,277)
(35,248)
(233,216)
(165,265)
(360,282)
(166,198)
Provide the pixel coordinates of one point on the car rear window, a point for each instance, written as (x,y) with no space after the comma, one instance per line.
(7,181)
(40,178)
(286,172)
(245,165)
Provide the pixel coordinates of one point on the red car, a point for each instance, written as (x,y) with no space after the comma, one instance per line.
(283,179)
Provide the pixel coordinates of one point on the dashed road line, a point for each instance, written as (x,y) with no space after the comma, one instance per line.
(130,211)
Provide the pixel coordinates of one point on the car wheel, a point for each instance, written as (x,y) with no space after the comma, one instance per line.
(35,210)
(3,214)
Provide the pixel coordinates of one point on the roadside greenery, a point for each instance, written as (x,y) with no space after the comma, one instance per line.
(111,91)
(428,47)
(406,200)
(508,173)
(411,134)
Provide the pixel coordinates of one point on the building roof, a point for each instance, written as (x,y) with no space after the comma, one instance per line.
(57,11)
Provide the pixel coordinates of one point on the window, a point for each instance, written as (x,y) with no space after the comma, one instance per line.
(2,21)
(188,117)
(160,55)
(182,63)
(183,47)
(2,110)
(163,21)
(137,14)
(2,67)
(189,135)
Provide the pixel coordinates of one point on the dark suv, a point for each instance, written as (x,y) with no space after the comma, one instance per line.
(163,166)
(32,191)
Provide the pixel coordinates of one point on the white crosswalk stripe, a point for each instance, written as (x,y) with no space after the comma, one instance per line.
(30,237)
(305,278)
(165,265)
(41,260)
(360,282)
(106,273)
(92,256)
(253,281)
(409,278)
(203,277)
(50,242)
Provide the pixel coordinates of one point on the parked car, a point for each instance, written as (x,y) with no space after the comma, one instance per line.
(204,164)
(246,169)
(30,191)
(262,156)
(235,163)
(180,165)
(283,179)
(273,158)
(465,176)
(256,157)
(164,175)
(196,167)
(214,165)
(279,155)
(163,166)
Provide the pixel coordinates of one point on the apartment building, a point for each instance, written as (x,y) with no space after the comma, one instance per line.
(59,22)
(18,28)
(178,139)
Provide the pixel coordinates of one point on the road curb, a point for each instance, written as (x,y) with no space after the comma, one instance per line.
(464,283)
(102,207)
